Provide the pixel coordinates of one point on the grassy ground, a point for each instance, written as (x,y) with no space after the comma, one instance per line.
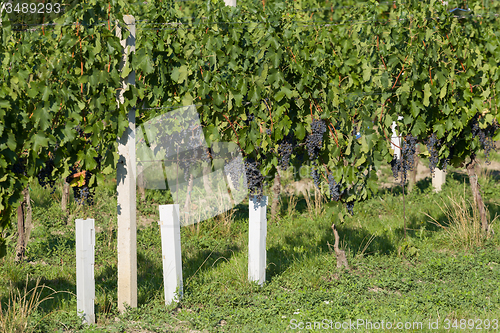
(444,271)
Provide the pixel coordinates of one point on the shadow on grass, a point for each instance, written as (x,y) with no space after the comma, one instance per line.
(205,259)
(299,247)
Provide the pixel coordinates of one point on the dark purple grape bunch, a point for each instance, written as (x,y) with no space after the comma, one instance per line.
(19,167)
(255,179)
(334,188)
(485,136)
(433,146)
(285,150)
(250,118)
(82,194)
(45,175)
(79,131)
(407,161)
(396,167)
(315,176)
(314,140)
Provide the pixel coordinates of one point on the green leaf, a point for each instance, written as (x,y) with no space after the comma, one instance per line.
(125,70)
(42,117)
(300,131)
(439,129)
(39,140)
(384,80)
(46,94)
(367,72)
(11,142)
(238,98)
(360,160)
(415,108)
(279,95)
(107,170)
(142,61)
(4,104)
(179,74)
(427,94)
(218,98)
(419,127)
(442,93)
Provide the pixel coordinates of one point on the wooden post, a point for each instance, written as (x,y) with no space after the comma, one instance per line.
(126,188)
(438,179)
(85,284)
(170,230)
(24,225)
(257,232)
(65,197)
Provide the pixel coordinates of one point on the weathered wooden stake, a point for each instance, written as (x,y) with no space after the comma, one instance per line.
(170,229)
(126,188)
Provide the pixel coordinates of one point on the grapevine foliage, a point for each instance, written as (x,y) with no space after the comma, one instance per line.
(258,74)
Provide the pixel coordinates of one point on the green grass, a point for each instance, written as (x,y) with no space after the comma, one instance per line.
(429,276)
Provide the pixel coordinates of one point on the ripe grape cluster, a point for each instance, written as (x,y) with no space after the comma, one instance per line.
(485,136)
(433,148)
(82,194)
(396,167)
(334,188)
(315,176)
(314,141)
(255,179)
(79,130)
(407,161)
(250,118)
(285,150)
(268,131)
(20,167)
(45,175)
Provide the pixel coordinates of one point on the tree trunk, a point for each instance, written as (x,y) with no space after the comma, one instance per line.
(207,169)
(65,196)
(341,257)
(276,197)
(475,187)
(24,225)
